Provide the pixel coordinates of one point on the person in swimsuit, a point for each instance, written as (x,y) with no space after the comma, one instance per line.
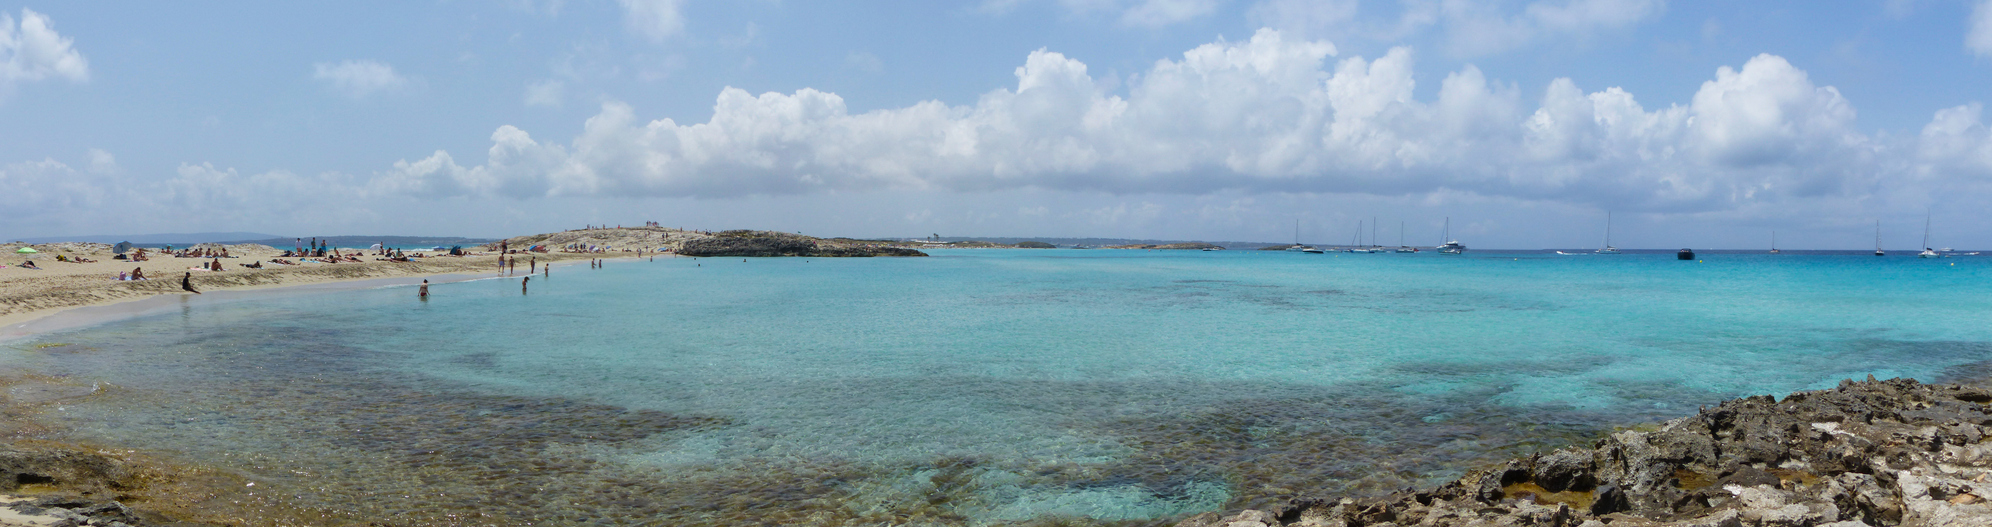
(187,283)
(424,292)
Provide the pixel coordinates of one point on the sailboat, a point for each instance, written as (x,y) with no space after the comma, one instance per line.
(1927,252)
(1297,247)
(1451,246)
(1877,239)
(1401,247)
(1609,249)
(1774,242)
(1358,246)
(1371,247)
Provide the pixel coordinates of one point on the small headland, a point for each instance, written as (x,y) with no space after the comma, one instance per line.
(1873,453)
(747,243)
(1186,246)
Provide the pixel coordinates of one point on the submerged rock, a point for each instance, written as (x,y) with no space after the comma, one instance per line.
(1874,453)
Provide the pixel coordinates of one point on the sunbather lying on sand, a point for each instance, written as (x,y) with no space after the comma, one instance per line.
(30,264)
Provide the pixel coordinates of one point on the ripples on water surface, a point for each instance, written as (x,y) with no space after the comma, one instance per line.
(974,387)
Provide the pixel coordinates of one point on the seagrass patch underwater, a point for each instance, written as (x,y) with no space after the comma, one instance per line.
(971,388)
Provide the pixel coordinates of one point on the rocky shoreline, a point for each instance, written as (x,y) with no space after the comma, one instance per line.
(1873,453)
(762,244)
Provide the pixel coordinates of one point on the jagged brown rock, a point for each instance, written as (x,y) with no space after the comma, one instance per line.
(1874,453)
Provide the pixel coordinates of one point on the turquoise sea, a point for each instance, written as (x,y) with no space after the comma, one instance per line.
(975,387)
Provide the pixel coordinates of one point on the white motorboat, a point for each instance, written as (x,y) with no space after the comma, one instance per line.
(1297,247)
(1451,246)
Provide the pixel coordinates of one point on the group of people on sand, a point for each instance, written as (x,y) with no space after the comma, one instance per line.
(317,248)
(135,274)
(203,253)
(79,259)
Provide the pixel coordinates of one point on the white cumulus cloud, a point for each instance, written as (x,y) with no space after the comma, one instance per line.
(1957,142)
(1978,39)
(31,50)
(654,19)
(359,78)
(102,162)
(1266,114)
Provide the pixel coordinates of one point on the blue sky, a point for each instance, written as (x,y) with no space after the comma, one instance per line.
(1704,124)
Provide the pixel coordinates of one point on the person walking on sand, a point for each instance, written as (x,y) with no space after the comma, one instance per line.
(187,283)
(423,293)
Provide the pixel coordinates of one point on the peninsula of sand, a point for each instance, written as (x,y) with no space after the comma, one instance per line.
(59,276)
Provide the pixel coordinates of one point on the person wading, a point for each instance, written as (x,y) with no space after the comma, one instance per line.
(423,293)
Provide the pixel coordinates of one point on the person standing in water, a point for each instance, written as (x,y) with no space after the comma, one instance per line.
(522,283)
(422,293)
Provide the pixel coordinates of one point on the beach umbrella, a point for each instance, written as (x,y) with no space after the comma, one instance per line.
(375,247)
(26,250)
(121,247)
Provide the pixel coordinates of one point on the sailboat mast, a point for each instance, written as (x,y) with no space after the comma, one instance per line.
(1373,232)
(1608,229)
(1926,231)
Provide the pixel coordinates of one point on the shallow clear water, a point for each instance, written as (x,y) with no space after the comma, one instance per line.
(982,387)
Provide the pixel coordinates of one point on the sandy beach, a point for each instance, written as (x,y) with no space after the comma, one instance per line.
(28,294)
(59,293)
